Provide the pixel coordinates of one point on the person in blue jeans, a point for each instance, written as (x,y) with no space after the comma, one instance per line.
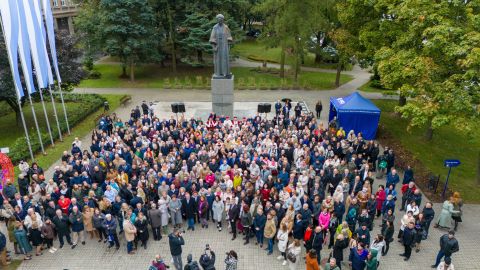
(448,246)
(259,225)
(270,231)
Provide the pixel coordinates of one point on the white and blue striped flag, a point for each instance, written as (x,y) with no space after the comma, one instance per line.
(37,45)
(9,13)
(24,50)
(47,10)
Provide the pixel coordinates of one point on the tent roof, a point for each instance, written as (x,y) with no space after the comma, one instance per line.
(354,103)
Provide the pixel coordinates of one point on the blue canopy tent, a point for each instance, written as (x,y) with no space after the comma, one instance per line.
(356,113)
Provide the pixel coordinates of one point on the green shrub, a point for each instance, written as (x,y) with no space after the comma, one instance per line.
(94,75)
(90,102)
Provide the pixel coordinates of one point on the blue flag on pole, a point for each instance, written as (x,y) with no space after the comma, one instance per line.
(9,13)
(24,50)
(47,10)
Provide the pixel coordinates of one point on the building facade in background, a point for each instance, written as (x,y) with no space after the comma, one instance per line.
(63,13)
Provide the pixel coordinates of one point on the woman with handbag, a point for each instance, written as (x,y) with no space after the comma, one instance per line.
(282,237)
(293,254)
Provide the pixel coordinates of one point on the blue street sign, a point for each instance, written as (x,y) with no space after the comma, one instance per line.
(451,162)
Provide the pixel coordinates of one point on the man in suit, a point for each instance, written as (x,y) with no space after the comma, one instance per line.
(233,214)
(188,210)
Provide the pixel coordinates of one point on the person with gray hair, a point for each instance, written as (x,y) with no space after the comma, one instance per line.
(332,265)
(76,219)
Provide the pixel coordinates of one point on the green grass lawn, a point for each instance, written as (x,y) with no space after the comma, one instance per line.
(255,51)
(7,122)
(153,76)
(80,130)
(447,143)
(369,88)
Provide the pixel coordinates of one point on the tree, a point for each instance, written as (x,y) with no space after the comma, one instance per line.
(128,32)
(68,54)
(288,24)
(8,92)
(434,61)
(88,27)
(194,35)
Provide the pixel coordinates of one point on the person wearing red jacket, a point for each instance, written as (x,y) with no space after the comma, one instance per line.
(380,197)
(407,191)
(64,204)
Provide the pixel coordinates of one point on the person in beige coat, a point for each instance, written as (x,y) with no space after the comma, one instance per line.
(269,232)
(130,232)
(88,220)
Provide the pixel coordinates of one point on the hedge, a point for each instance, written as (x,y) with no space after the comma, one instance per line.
(91,103)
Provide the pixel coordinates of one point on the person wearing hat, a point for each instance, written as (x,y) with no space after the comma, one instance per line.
(448,246)
(446,264)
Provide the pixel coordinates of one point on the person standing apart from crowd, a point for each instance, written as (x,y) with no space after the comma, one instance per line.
(231,260)
(175,241)
(448,246)
(318,108)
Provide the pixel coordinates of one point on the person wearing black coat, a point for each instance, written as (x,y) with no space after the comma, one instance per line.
(448,246)
(176,241)
(141,223)
(207,259)
(299,227)
(340,244)
(387,231)
(189,208)
(61,226)
(233,214)
(317,241)
(428,214)
(408,240)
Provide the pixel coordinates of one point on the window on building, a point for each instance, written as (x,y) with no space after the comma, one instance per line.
(55,3)
(64,2)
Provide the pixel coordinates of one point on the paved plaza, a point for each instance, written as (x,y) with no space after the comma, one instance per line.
(97,256)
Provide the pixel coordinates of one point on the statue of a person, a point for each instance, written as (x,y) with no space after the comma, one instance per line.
(220,38)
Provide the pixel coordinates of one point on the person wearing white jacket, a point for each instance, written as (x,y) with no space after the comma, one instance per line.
(282,237)
(295,249)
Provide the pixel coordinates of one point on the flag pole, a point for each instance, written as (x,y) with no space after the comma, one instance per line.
(36,123)
(46,117)
(27,137)
(55,113)
(63,105)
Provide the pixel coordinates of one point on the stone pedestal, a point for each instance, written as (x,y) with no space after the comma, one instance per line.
(222,96)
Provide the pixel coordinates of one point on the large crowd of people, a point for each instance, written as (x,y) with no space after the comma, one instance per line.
(287,184)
